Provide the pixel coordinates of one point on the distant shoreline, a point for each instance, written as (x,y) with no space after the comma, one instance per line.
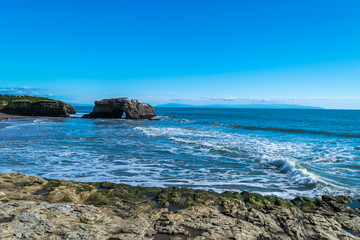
(241,106)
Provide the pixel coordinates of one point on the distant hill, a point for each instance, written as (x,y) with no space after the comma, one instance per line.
(82,105)
(177,105)
(266,106)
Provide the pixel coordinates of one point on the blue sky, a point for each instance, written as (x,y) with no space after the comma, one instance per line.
(195,52)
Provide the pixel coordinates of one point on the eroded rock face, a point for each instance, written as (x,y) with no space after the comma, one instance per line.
(116,107)
(37,208)
(51,108)
(3,104)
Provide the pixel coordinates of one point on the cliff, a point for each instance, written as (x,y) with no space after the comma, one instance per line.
(34,106)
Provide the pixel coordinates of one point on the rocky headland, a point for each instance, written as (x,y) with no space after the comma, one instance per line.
(24,105)
(37,208)
(116,107)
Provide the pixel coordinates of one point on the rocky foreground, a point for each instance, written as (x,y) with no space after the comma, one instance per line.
(37,208)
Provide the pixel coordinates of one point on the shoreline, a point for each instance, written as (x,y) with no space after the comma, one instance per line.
(58,209)
(4,116)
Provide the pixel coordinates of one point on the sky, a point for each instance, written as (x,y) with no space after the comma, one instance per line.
(192,52)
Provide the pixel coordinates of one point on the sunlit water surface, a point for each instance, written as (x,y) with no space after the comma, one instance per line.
(275,152)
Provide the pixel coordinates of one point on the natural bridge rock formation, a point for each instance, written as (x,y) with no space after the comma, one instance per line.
(116,107)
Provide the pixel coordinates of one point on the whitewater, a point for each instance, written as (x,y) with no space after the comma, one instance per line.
(279,152)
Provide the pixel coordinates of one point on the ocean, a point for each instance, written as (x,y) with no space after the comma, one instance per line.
(280,152)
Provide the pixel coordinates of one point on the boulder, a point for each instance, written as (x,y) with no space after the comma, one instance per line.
(50,108)
(116,107)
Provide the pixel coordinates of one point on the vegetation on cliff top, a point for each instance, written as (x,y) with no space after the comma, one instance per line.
(29,98)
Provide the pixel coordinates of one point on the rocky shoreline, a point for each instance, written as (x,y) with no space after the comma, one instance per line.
(37,208)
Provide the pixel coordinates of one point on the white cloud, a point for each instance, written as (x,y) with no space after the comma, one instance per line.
(28,91)
(224,99)
(19,91)
(244,100)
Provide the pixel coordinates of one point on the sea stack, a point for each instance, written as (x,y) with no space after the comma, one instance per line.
(116,107)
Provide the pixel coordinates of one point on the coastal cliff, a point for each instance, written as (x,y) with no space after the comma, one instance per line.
(37,208)
(3,104)
(34,106)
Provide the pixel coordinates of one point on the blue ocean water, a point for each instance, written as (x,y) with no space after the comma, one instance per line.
(274,152)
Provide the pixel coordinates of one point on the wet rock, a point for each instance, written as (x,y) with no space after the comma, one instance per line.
(116,107)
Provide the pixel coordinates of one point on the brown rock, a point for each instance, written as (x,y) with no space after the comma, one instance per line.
(116,107)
